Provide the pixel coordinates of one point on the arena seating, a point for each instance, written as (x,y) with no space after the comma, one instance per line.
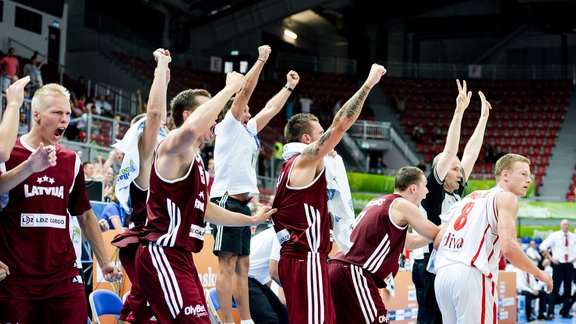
(525,118)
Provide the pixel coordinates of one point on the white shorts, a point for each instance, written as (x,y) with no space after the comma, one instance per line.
(465,295)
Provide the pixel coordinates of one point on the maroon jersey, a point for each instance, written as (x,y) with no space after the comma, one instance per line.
(302,222)
(176,208)
(138,198)
(34,226)
(377,242)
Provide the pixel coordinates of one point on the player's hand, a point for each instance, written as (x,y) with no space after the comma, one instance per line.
(235,81)
(263,213)
(104,226)
(4,271)
(15,92)
(111,273)
(377,71)
(486,106)
(264,52)
(292,79)
(43,158)
(463,99)
(162,55)
(545,278)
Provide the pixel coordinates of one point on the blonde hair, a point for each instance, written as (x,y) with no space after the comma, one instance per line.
(507,162)
(50,89)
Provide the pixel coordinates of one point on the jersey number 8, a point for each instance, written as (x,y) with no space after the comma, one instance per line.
(463,218)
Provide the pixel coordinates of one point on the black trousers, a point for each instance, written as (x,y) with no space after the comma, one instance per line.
(265,307)
(428,311)
(542,302)
(562,274)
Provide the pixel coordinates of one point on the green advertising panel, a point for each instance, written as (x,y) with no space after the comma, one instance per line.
(545,210)
(384,184)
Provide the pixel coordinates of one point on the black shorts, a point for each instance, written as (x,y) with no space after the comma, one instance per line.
(235,239)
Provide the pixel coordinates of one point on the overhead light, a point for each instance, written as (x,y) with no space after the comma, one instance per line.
(290,34)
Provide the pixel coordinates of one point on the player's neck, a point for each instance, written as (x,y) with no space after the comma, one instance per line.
(33,139)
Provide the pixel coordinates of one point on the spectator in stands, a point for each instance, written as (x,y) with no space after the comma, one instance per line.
(529,287)
(109,179)
(113,213)
(32,68)
(400,103)
(533,253)
(380,165)
(88,170)
(22,124)
(9,69)
(79,88)
(436,134)
(141,103)
(560,248)
(422,166)
(305,102)
(235,156)
(265,306)
(44,284)
(114,160)
(418,133)
(490,152)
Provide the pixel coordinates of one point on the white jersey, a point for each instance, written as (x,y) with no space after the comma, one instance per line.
(471,236)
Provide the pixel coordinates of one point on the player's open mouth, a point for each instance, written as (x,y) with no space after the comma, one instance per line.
(59,131)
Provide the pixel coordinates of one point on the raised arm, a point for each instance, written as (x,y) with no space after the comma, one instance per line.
(474,144)
(242,98)
(453,136)
(507,207)
(155,115)
(41,159)
(275,104)
(310,162)
(9,125)
(199,122)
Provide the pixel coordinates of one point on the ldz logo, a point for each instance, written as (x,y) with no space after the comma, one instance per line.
(198,310)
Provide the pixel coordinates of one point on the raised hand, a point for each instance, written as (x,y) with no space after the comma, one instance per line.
(111,273)
(15,92)
(463,99)
(377,71)
(486,106)
(162,55)
(292,79)
(264,52)
(235,81)
(41,159)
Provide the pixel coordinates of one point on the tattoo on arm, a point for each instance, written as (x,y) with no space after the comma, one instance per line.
(311,150)
(352,106)
(325,137)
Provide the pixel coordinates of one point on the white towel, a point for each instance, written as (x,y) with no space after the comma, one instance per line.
(130,167)
(339,196)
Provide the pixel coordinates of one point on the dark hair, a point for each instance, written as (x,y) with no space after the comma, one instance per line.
(186,101)
(297,126)
(407,176)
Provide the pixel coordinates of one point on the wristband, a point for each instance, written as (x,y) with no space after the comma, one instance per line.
(288,88)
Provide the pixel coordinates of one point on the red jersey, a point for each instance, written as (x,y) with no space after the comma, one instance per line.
(34,226)
(176,208)
(377,242)
(302,222)
(138,198)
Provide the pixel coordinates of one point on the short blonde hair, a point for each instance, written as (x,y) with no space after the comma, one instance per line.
(507,162)
(50,89)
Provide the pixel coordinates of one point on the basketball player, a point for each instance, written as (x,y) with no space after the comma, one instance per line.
(235,155)
(44,285)
(302,222)
(127,242)
(379,235)
(177,207)
(446,183)
(482,226)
